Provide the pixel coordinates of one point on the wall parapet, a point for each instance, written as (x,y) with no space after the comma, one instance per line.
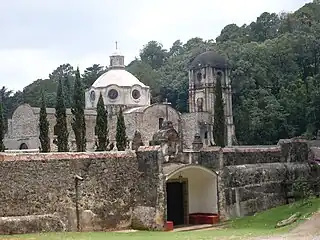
(64,155)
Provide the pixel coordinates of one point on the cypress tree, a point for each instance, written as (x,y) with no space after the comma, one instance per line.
(44,126)
(101,129)
(67,91)
(219,118)
(78,121)
(121,137)
(60,128)
(2,129)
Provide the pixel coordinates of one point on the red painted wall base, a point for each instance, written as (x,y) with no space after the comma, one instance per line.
(169,226)
(203,218)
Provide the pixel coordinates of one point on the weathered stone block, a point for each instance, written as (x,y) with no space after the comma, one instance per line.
(31,224)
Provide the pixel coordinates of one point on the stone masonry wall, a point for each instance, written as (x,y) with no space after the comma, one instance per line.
(253,179)
(114,185)
(150,212)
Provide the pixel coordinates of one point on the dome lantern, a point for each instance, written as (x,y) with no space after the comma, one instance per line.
(117,59)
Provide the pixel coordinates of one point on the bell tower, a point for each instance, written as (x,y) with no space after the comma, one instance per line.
(204,71)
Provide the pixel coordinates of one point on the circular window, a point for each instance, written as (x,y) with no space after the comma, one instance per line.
(136,94)
(113,94)
(92,96)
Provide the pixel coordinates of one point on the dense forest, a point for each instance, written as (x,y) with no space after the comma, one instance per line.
(275,75)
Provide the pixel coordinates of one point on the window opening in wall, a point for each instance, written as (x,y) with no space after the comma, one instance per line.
(221,78)
(23,146)
(206,135)
(200,104)
(199,77)
(160,122)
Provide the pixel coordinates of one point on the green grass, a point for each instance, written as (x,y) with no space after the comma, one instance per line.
(261,224)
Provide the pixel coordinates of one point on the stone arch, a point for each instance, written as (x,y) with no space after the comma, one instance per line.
(24,122)
(150,120)
(23,146)
(198,189)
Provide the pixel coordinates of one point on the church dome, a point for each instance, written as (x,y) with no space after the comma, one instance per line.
(117,76)
(209,59)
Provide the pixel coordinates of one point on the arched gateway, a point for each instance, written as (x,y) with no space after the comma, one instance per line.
(191,190)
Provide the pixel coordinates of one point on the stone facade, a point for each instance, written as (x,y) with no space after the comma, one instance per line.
(144,119)
(116,190)
(121,90)
(23,128)
(254,179)
(96,191)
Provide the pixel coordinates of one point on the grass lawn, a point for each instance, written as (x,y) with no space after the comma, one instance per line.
(261,224)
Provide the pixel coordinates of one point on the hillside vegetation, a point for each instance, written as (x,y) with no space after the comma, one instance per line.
(275,75)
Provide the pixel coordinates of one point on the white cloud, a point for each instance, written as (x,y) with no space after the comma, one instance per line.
(41,35)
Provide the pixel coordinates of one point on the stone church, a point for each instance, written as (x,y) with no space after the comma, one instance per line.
(144,121)
(173,178)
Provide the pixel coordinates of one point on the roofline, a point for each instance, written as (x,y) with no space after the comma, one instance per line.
(190,166)
(154,104)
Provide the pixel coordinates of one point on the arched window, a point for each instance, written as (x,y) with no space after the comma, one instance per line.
(160,122)
(200,104)
(206,135)
(23,146)
(199,77)
(220,77)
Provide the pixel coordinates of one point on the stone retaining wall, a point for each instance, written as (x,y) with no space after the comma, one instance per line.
(255,178)
(113,185)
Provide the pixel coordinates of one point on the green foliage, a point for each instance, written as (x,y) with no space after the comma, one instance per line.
(60,129)
(144,72)
(219,119)
(91,74)
(121,137)
(153,54)
(268,219)
(101,128)
(2,128)
(78,121)
(44,127)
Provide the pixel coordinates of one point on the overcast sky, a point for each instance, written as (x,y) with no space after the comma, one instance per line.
(39,35)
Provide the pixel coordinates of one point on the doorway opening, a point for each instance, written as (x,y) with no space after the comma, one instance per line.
(192,195)
(177,202)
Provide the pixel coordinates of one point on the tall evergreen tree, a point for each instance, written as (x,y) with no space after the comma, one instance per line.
(121,137)
(44,126)
(101,129)
(60,128)
(78,121)
(219,119)
(2,129)
(67,91)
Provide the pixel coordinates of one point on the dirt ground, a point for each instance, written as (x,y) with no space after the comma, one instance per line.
(309,230)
